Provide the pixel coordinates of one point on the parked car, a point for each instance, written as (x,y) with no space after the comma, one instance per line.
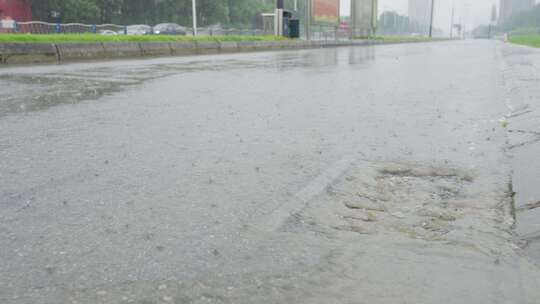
(139,29)
(169,29)
(108,33)
(214,29)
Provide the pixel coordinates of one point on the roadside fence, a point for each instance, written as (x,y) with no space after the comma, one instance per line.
(39,27)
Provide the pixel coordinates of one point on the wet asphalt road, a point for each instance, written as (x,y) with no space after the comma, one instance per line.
(120,179)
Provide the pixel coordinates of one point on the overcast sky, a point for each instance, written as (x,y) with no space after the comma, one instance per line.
(471,12)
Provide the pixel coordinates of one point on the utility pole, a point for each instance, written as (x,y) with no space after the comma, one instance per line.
(452,21)
(493,19)
(194,7)
(307,18)
(460,29)
(352,22)
(278,18)
(431,19)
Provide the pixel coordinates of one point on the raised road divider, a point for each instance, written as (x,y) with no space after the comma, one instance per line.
(156,48)
(228,46)
(207,47)
(121,50)
(28,53)
(80,51)
(17,53)
(183,48)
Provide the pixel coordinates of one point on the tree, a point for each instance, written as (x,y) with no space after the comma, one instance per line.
(242,12)
(524,19)
(83,11)
(392,23)
(109,10)
(226,12)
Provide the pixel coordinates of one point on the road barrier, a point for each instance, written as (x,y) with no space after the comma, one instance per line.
(40,27)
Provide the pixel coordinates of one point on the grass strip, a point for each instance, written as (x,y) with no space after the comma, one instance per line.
(528,40)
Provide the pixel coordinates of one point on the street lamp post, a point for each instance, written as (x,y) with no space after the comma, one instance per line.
(308,13)
(452,22)
(194,7)
(431,19)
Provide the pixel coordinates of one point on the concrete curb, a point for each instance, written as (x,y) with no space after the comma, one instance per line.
(183,48)
(246,46)
(80,51)
(156,48)
(24,53)
(122,50)
(28,53)
(207,47)
(228,47)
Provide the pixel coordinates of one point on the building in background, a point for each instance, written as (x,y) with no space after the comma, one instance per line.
(420,13)
(18,10)
(509,7)
(364,16)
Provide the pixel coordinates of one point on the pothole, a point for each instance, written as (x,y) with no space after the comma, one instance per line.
(412,200)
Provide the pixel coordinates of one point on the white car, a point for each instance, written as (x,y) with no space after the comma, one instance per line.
(108,33)
(139,29)
(169,29)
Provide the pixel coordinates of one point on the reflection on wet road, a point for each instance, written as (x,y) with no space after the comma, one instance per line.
(344,175)
(39,91)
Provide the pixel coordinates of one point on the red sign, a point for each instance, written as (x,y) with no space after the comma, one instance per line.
(18,10)
(326,11)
